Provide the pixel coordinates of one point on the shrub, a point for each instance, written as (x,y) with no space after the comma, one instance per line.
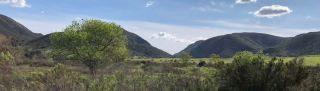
(215,58)
(6,56)
(312,83)
(250,72)
(201,64)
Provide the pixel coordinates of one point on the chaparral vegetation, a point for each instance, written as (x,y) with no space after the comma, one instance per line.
(92,55)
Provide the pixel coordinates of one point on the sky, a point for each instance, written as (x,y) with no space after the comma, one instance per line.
(171,25)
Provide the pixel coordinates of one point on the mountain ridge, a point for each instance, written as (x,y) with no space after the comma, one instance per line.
(37,43)
(137,46)
(229,44)
(11,28)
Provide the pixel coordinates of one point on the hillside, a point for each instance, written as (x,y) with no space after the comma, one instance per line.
(303,44)
(190,47)
(228,45)
(137,46)
(34,42)
(14,29)
(140,47)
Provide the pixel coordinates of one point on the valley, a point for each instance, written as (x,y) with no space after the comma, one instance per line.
(94,55)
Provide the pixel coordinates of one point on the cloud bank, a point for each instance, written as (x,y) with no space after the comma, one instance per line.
(245,1)
(149,3)
(272,11)
(167,36)
(15,3)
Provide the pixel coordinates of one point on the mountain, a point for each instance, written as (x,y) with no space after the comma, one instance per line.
(303,44)
(189,48)
(228,45)
(137,46)
(37,42)
(13,29)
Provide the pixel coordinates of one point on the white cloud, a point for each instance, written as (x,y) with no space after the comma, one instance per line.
(213,6)
(272,11)
(308,17)
(245,1)
(43,12)
(201,38)
(149,3)
(15,3)
(208,8)
(168,36)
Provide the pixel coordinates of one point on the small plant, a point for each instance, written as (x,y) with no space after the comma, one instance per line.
(201,64)
(185,57)
(215,58)
(6,57)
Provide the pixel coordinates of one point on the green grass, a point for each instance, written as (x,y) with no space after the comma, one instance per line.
(309,60)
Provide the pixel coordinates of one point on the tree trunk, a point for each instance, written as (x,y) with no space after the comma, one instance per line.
(93,71)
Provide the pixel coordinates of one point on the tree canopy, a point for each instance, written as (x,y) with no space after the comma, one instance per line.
(93,42)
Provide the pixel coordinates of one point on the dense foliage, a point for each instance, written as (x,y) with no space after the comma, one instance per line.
(251,72)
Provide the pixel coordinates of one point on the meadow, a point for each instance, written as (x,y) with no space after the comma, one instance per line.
(159,74)
(309,60)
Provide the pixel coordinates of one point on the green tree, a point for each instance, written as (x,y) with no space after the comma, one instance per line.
(93,42)
(185,57)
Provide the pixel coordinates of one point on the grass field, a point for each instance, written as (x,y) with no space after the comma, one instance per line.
(157,74)
(309,60)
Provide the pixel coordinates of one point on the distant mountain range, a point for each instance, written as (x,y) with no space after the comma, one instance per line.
(228,45)
(32,41)
(224,45)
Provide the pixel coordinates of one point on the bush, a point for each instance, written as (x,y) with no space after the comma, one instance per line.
(250,72)
(185,57)
(312,83)
(215,58)
(201,64)
(6,56)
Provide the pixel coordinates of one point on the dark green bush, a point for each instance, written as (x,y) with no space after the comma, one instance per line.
(312,83)
(251,72)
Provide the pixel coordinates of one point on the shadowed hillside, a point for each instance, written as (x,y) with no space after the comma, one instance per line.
(12,28)
(228,45)
(140,47)
(303,44)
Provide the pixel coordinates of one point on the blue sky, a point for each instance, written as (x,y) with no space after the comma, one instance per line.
(171,25)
